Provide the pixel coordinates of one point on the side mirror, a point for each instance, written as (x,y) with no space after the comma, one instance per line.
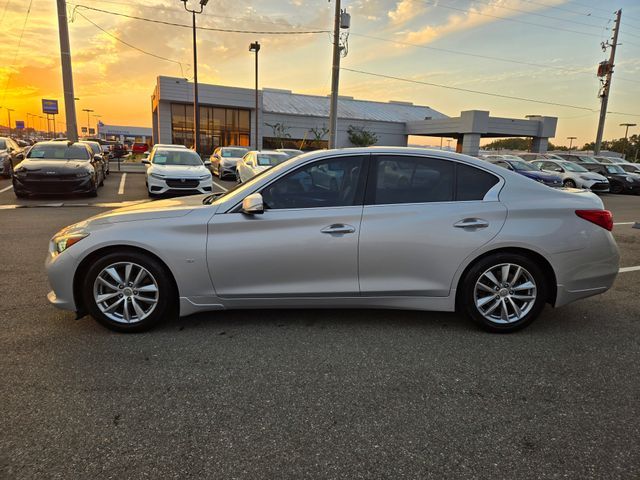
(253,204)
(558,169)
(146,162)
(207,163)
(97,158)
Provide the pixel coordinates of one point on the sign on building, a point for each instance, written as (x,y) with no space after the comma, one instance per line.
(50,106)
(92,131)
(84,129)
(19,124)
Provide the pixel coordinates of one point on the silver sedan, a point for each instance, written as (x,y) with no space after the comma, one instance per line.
(355,228)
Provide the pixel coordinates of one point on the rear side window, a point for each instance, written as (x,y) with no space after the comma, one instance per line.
(404,179)
(473,183)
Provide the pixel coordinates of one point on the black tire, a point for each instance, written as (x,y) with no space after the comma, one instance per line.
(616,189)
(9,173)
(570,183)
(20,194)
(94,193)
(467,297)
(166,307)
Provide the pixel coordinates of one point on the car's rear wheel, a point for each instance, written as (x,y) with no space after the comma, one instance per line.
(129,292)
(570,184)
(504,292)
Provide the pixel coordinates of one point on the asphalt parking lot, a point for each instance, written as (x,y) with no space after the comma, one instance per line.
(296,394)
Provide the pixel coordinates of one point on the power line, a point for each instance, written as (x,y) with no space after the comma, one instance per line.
(15,57)
(225,30)
(485,57)
(479,92)
(562,9)
(132,46)
(507,19)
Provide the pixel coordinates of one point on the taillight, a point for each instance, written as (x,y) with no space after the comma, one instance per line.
(602,218)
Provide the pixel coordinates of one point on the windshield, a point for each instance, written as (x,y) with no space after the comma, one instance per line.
(573,167)
(614,169)
(271,159)
(234,152)
(521,165)
(587,159)
(59,151)
(177,157)
(553,156)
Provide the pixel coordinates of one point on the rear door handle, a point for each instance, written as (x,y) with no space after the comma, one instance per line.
(472,223)
(338,228)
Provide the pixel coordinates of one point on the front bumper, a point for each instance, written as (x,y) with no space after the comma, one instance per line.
(52,186)
(60,272)
(158,186)
(227,170)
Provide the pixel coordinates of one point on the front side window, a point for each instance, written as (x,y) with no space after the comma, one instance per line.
(333,182)
(614,169)
(405,179)
(522,166)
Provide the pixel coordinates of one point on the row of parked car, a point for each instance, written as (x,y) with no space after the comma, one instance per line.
(598,174)
(54,167)
(177,169)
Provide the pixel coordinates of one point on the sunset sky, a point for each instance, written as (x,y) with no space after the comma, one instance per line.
(116,81)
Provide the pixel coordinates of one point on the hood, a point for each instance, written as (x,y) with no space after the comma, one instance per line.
(181,171)
(169,208)
(58,166)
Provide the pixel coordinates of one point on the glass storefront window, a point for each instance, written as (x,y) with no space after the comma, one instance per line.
(219,127)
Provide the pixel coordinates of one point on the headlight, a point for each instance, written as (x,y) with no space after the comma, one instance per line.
(205,177)
(158,176)
(84,173)
(585,177)
(59,243)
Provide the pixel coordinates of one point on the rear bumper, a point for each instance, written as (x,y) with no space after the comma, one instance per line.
(587,272)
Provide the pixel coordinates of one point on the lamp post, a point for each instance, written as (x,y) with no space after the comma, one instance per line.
(571,139)
(196,108)
(9,110)
(96,116)
(88,110)
(626,135)
(255,47)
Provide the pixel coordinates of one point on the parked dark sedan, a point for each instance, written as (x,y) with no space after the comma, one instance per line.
(58,168)
(10,154)
(96,148)
(529,170)
(620,181)
(586,161)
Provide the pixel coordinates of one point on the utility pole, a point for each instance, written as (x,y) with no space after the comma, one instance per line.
(342,20)
(9,110)
(571,139)
(607,68)
(67,73)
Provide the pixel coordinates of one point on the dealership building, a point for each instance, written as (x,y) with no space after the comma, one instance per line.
(289,120)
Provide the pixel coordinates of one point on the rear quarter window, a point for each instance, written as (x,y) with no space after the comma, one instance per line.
(473,183)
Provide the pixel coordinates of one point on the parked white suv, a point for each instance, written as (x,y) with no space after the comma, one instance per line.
(177,170)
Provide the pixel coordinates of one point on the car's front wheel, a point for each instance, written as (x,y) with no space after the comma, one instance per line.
(570,184)
(503,292)
(129,292)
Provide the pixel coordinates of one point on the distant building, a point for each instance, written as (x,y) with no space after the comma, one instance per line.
(287,119)
(123,133)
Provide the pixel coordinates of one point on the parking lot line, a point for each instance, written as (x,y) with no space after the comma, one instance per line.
(629,269)
(624,223)
(6,189)
(121,187)
(220,186)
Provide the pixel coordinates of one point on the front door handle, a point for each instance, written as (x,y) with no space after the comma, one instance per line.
(338,228)
(472,223)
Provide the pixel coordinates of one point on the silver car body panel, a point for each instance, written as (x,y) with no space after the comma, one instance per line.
(223,259)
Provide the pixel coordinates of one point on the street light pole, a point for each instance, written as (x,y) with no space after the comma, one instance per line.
(255,47)
(196,108)
(626,135)
(88,110)
(9,110)
(571,139)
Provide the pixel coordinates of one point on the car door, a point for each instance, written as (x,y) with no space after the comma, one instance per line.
(305,244)
(417,230)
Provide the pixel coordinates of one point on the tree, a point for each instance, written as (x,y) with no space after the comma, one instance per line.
(361,137)
(280,132)
(318,135)
(509,144)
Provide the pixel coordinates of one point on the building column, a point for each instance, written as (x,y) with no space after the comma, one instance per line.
(470,144)
(539,144)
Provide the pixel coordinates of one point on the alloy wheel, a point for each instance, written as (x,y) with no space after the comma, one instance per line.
(126,292)
(505,293)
